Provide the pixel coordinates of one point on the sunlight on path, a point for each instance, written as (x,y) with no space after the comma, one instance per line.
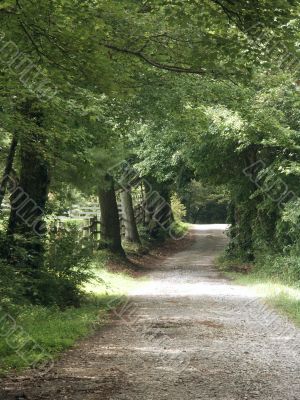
(187,334)
(183,280)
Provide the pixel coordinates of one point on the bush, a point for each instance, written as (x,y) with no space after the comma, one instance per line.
(53,278)
(179,209)
(11,289)
(67,267)
(11,285)
(285,268)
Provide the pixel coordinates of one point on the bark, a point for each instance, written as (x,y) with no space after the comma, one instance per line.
(163,213)
(159,215)
(131,231)
(149,207)
(110,223)
(29,198)
(8,168)
(143,211)
(29,195)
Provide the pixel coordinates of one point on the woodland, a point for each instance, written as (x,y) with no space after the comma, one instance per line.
(176,111)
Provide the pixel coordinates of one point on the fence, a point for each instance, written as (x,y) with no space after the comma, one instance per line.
(88,216)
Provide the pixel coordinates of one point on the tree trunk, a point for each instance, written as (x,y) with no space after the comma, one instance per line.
(28,199)
(110,223)
(29,195)
(164,214)
(8,168)
(131,231)
(149,206)
(158,206)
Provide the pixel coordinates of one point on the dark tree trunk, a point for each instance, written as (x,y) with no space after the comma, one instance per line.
(8,168)
(29,198)
(163,213)
(159,215)
(131,231)
(29,195)
(146,206)
(110,223)
(149,207)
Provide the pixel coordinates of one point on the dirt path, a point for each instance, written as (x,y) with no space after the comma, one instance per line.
(188,334)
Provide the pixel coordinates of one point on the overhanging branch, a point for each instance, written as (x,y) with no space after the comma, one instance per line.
(154,63)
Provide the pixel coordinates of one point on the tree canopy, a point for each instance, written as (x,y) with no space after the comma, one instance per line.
(199,98)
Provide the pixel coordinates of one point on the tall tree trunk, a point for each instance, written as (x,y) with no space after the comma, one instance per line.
(164,214)
(30,194)
(28,199)
(8,168)
(131,231)
(110,223)
(149,206)
(26,227)
(146,206)
(157,204)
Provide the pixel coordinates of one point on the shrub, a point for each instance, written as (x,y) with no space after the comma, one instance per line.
(11,287)
(66,268)
(55,278)
(179,209)
(286,268)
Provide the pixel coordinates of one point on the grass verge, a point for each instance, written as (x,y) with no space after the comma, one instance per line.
(276,291)
(32,334)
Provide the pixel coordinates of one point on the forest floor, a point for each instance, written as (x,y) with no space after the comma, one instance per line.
(188,333)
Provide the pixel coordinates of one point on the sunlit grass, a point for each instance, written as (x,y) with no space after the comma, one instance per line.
(55,330)
(279,294)
(284,297)
(51,329)
(108,283)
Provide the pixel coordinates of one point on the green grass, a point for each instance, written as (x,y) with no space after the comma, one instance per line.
(276,290)
(283,297)
(54,330)
(180,229)
(108,284)
(51,329)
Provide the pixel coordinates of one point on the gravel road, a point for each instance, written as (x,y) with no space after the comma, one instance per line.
(187,334)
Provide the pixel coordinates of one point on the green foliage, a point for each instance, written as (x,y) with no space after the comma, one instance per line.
(252,149)
(273,280)
(11,286)
(112,92)
(205,204)
(179,229)
(50,331)
(282,267)
(67,267)
(178,208)
(55,330)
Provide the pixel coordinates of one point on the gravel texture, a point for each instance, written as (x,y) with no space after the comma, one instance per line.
(187,334)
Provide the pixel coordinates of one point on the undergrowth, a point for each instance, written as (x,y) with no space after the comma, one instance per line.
(276,278)
(30,334)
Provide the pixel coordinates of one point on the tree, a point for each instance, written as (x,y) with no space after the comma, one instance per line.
(246,146)
(85,84)
(110,224)
(8,168)
(131,231)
